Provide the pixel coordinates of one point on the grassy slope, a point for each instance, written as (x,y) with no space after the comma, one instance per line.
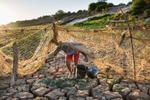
(95,22)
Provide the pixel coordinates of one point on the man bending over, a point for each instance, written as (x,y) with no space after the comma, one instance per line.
(72,51)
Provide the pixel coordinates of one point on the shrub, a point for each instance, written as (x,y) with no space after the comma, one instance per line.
(137,7)
(147,12)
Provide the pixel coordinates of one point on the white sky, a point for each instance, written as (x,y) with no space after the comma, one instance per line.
(13,10)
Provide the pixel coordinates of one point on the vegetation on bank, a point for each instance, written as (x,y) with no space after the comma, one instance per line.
(139,9)
(95,22)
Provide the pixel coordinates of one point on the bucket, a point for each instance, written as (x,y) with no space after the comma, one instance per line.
(81,71)
(92,72)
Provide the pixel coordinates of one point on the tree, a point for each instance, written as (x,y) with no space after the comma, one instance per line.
(138,7)
(59,14)
(147,1)
(102,0)
(110,5)
(79,11)
(100,6)
(92,7)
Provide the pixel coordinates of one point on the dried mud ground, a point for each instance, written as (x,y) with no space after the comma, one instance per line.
(49,84)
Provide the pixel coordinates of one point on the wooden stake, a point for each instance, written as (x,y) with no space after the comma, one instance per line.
(15,64)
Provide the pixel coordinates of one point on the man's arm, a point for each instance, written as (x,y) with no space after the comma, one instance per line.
(85,55)
(57,50)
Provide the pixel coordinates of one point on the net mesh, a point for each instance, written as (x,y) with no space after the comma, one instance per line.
(107,48)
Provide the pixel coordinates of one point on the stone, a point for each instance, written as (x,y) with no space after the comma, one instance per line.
(132,85)
(12,98)
(2,92)
(4,86)
(11,90)
(112,95)
(62,70)
(34,88)
(70,91)
(144,88)
(25,88)
(57,73)
(82,93)
(81,85)
(52,70)
(30,81)
(118,99)
(19,89)
(44,82)
(54,94)
(62,98)
(72,97)
(103,81)
(135,95)
(6,81)
(117,88)
(97,93)
(104,87)
(39,98)
(148,91)
(4,97)
(41,91)
(124,92)
(111,82)
(92,82)
(9,94)
(89,98)
(24,95)
(36,76)
(64,90)
(87,84)
(148,82)
(123,84)
(80,98)
(20,82)
(41,76)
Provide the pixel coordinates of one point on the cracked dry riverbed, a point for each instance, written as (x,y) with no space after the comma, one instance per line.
(49,84)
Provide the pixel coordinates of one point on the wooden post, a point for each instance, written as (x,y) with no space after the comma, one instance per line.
(15,64)
(54,40)
(132,46)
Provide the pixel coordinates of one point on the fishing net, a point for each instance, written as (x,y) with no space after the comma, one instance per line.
(109,50)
